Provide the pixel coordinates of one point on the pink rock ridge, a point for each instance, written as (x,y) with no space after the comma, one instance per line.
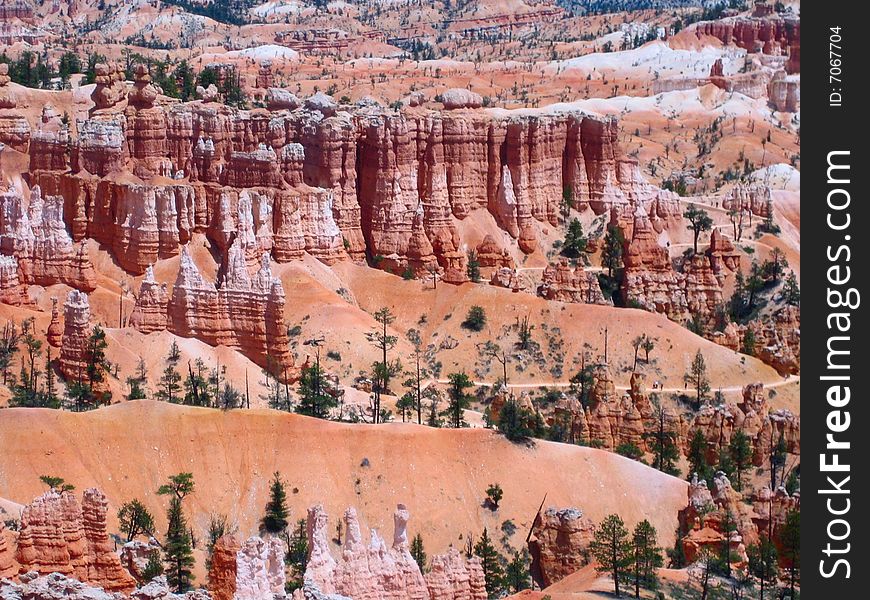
(58,535)
(34,232)
(244,312)
(559,544)
(380,572)
(141,176)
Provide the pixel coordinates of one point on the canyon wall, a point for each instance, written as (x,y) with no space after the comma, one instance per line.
(141,174)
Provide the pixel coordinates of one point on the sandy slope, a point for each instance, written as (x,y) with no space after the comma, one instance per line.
(129,449)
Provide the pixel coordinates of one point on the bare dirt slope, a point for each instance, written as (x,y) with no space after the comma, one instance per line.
(129,449)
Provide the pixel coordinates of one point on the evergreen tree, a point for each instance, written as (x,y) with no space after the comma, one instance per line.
(297,556)
(697,377)
(699,221)
(418,552)
(490,560)
(611,253)
(790,541)
(135,520)
(8,347)
(153,568)
(754,285)
(185,81)
(574,245)
(383,341)
(475,320)
(741,454)
(697,457)
(196,390)
(137,383)
(612,549)
(763,563)
(314,398)
(514,421)
(517,576)
(97,363)
(169,386)
(739,299)
(791,292)
(747,344)
(458,399)
(662,442)
(473,266)
(177,549)
(275,519)
(405,404)
(646,557)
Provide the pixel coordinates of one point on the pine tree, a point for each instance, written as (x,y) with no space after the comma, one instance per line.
(763,563)
(177,549)
(418,553)
(314,399)
(611,253)
(97,363)
(697,456)
(490,560)
(154,566)
(612,549)
(514,421)
(517,576)
(458,400)
(473,266)
(791,292)
(741,454)
(663,445)
(297,556)
(697,376)
(137,383)
(790,540)
(647,557)
(699,221)
(379,337)
(134,520)
(275,519)
(169,386)
(574,245)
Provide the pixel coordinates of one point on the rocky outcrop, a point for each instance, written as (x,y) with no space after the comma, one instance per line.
(768,34)
(8,566)
(452,577)
(649,279)
(58,535)
(714,519)
(54,333)
(158,589)
(135,556)
(76,331)
(12,291)
(754,198)
(461,98)
(723,257)
(242,312)
(378,571)
(565,283)
(358,183)
(14,128)
(784,92)
(54,586)
(104,565)
(559,544)
(224,568)
(35,233)
(260,570)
